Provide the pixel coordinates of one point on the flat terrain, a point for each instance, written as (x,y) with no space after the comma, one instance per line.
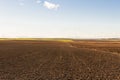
(59,60)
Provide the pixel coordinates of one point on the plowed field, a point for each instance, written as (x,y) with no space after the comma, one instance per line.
(55,60)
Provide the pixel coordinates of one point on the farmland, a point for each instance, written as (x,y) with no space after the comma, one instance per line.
(59,60)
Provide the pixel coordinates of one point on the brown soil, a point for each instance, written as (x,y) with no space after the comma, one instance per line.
(50,60)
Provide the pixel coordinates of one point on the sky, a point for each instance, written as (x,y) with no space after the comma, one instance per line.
(60,18)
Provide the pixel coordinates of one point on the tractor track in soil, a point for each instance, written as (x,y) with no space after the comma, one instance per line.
(21,60)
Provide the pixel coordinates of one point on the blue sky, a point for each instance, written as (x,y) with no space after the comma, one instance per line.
(60,18)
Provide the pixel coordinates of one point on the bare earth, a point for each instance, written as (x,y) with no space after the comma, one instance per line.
(55,60)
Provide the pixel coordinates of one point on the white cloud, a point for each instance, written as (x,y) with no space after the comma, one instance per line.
(21,4)
(38,1)
(50,5)
(21,0)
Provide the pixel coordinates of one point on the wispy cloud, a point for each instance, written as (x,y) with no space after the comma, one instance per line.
(47,4)
(38,1)
(21,2)
(50,5)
